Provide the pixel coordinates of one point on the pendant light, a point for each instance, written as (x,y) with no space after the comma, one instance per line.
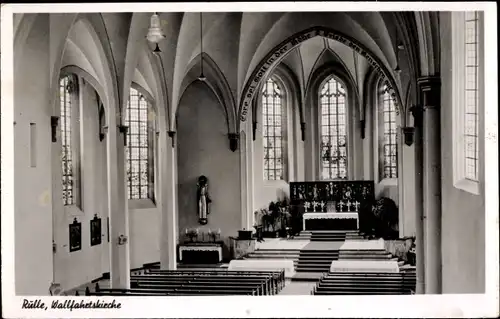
(155,34)
(202,76)
(399,46)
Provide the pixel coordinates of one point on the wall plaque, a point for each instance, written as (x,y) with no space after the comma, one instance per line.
(75,236)
(95,231)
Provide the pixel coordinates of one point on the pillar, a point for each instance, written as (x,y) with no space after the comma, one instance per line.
(168,200)
(431,143)
(419,201)
(118,206)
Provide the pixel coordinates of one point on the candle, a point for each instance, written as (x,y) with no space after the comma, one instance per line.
(186,231)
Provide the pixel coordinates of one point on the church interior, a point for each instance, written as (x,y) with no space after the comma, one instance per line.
(249,153)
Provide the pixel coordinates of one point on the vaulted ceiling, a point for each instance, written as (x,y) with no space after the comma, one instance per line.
(113,48)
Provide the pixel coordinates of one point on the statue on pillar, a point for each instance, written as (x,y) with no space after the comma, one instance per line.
(203,200)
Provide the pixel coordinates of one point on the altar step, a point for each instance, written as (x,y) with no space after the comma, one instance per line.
(365,254)
(303,235)
(316,261)
(328,236)
(292,254)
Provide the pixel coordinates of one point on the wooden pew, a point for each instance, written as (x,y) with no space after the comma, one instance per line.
(279,276)
(263,283)
(199,282)
(346,283)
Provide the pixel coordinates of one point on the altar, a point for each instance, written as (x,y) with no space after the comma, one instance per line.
(330,205)
(200,253)
(331,221)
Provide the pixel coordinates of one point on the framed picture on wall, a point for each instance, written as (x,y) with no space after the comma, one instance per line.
(95,231)
(75,236)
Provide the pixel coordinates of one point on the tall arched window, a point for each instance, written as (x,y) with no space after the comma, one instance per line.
(389,146)
(468,93)
(140,147)
(333,130)
(273,130)
(69,124)
(471,153)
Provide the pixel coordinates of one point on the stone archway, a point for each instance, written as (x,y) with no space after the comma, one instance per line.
(275,56)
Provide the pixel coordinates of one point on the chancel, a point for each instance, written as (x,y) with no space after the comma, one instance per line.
(249,153)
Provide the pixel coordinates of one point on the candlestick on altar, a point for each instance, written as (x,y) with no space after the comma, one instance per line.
(306,205)
(348,205)
(356,204)
(314,205)
(341,205)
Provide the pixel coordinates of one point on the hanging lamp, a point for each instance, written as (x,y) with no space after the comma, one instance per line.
(202,77)
(399,47)
(155,34)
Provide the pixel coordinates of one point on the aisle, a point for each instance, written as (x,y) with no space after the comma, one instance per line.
(298,288)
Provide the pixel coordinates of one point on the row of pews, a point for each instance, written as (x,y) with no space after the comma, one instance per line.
(155,282)
(344,283)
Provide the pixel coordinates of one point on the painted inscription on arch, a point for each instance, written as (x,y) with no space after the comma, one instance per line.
(281,51)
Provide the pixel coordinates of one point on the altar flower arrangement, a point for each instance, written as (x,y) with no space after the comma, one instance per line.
(213,235)
(192,234)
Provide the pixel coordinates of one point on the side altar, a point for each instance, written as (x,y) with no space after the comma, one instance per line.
(331,205)
(200,248)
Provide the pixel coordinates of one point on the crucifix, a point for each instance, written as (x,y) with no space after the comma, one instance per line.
(314,203)
(348,205)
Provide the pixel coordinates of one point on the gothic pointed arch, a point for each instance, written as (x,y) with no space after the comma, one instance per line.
(93,26)
(217,83)
(288,80)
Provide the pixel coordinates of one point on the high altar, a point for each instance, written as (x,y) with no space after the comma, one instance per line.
(331,205)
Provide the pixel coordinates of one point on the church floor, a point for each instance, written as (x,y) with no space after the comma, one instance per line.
(298,288)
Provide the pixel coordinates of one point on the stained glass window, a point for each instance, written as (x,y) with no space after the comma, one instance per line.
(333,130)
(139,157)
(67,86)
(389,142)
(272,108)
(471,152)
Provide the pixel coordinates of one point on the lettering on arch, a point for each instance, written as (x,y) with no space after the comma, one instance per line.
(281,50)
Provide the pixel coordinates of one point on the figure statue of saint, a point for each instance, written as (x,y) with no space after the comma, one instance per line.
(203,200)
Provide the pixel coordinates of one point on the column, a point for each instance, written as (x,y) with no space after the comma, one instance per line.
(168,199)
(419,201)
(431,143)
(118,206)
(400,179)
(244,175)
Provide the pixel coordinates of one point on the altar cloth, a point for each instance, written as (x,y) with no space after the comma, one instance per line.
(330,215)
(200,248)
(264,265)
(365,266)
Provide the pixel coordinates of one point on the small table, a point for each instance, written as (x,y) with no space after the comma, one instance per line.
(331,221)
(200,253)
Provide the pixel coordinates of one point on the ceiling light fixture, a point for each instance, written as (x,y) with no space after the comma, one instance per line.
(202,77)
(397,69)
(155,34)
